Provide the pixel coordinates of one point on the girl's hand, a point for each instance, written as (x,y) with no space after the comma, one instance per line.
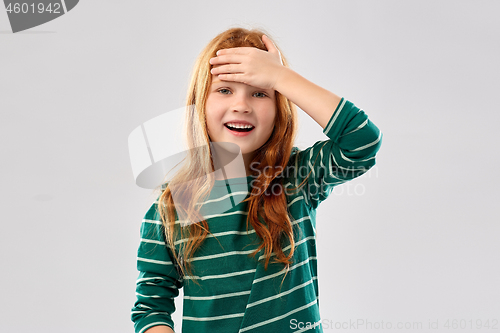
(249,65)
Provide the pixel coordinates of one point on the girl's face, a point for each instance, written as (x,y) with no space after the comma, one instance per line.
(232,101)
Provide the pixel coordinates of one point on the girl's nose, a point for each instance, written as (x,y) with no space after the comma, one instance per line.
(241,103)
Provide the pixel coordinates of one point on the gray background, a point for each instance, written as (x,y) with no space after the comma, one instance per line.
(415,240)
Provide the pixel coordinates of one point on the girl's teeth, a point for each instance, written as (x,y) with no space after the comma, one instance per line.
(239,126)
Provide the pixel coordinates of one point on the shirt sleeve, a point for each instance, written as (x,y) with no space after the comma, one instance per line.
(159,280)
(350,152)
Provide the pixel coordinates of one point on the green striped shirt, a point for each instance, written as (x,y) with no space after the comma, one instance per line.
(236,293)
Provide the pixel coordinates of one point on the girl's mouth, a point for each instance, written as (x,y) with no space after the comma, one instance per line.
(239,131)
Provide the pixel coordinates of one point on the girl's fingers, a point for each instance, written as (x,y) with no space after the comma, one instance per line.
(216,69)
(225,59)
(226,69)
(267,42)
(271,47)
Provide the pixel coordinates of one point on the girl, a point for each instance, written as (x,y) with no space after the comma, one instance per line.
(218,239)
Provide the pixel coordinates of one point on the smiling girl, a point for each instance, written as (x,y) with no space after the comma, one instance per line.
(245,252)
(251,107)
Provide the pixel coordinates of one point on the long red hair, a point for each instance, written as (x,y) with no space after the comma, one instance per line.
(273,157)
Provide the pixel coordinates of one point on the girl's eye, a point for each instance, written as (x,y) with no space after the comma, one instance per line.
(227,91)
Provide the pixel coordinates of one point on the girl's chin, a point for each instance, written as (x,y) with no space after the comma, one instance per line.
(231,147)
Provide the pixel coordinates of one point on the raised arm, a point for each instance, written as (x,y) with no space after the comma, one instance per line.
(316,101)
(353,139)
(265,69)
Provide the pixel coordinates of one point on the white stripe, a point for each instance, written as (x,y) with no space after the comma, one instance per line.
(349,160)
(156,313)
(152,221)
(336,115)
(340,167)
(370,144)
(148,296)
(357,128)
(335,183)
(282,271)
(280,294)
(278,317)
(203,298)
(225,254)
(152,241)
(289,246)
(150,278)
(311,168)
(214,318)
(295,200)
(154,261)
(323,166)
(221,276)
(225,233)
(311,157)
